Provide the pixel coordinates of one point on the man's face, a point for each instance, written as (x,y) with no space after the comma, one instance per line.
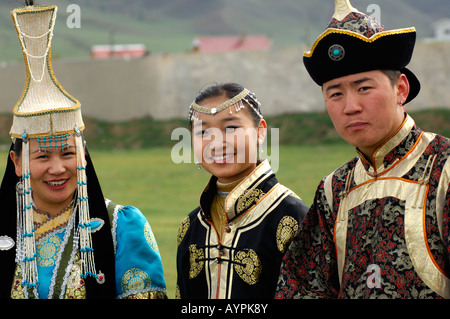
(365,108)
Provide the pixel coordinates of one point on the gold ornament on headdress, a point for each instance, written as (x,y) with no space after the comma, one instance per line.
(348,18)
(342,8)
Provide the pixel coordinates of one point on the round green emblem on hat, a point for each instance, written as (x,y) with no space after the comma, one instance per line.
(336,52)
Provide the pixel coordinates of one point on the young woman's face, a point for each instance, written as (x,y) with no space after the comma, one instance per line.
(53,175)
(226,144)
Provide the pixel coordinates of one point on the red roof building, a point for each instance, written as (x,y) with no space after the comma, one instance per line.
(231,43)
(118,51)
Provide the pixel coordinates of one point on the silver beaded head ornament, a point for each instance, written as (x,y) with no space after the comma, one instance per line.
(46,113)
(236,103)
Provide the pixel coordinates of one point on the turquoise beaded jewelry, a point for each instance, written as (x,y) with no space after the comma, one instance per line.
(45,142)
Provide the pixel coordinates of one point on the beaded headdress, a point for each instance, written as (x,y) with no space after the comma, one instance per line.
(354,42)
(47,113)
(236,103)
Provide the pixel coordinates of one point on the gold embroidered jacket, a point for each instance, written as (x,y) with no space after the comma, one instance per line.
(262,218)
(377,231)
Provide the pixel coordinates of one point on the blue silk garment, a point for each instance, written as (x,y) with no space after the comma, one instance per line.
(47,251)
(138,265)
(138,261)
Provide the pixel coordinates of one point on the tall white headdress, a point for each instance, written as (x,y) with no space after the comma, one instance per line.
(47,113)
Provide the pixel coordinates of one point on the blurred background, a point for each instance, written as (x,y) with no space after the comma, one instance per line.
(126,60)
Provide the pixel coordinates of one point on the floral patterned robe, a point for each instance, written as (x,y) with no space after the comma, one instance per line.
(377,231)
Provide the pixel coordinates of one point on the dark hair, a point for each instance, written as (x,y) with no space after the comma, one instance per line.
(392,75)
(17,147)
(229,90)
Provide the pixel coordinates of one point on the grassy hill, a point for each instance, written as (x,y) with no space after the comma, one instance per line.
(170,25)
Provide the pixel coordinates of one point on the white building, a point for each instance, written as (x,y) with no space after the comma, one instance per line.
(442,29)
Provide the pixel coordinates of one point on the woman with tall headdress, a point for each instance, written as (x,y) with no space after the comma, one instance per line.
(232,244)
(59,237)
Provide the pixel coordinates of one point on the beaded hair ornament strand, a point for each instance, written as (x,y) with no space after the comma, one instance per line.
(235,102)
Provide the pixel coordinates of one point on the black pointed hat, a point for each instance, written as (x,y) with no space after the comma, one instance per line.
(354,42)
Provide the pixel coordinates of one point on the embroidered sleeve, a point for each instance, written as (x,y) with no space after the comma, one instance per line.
(139,271)
(446,223)
(308,269)
(183,254)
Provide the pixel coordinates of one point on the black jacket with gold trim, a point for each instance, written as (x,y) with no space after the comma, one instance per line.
(262,218)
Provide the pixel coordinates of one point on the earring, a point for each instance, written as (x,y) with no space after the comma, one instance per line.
(260,146)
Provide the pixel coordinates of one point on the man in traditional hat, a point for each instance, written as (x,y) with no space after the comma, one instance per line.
(378,227)
(58,236)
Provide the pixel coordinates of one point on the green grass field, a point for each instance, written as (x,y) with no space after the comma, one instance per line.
(166,192)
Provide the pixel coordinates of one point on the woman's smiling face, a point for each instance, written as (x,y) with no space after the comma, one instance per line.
(53,175)
(225,143)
